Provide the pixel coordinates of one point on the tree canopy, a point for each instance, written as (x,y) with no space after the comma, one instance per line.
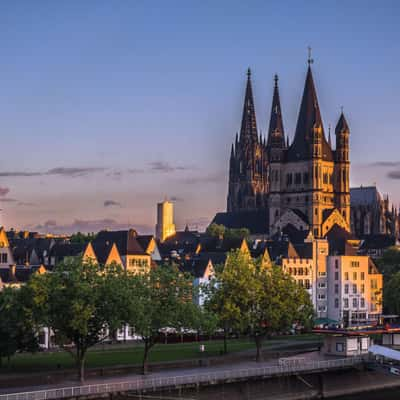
(257,300)
(81,302)
(17,328)
(220,231)
(163,298)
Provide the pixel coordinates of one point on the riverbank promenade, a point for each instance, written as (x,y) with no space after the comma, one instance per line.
(95,387)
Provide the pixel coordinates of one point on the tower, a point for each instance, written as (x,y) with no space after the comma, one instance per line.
(275,154)
(247,165)
(165,220)
(342,168)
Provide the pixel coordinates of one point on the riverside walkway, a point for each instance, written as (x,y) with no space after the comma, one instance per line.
(179,378)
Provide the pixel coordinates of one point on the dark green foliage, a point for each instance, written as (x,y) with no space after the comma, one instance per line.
(17,330)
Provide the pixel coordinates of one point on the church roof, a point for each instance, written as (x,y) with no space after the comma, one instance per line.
(256,221)
(364,195)
(248,130)
(309,116)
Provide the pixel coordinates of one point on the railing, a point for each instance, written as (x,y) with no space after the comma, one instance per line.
(141,383)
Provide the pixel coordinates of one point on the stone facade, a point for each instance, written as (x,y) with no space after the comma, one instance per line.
(304,183)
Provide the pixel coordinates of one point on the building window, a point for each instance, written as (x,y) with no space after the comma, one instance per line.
(362,302)
(354,289)
(336,275)
(339,347)
(355,264)
(355,302)
(336,264)
(307,283)
(321,297)
(346,303)
(336,303)
(362,276)
(346,288)
(4,258)
(289,179)
(362,289)
(374,284)
(336,288)
(325,179)
(346,276)
(305,178)
(297,178)
(354,276)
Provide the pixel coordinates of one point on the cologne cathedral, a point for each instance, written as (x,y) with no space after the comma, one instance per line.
(275,182)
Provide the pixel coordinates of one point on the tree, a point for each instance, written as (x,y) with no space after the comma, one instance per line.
(221,232)
(82,238)
(79,300)
(17,330)
(160,299)
(258,300)
(216,230)
(389,263)
(391,295)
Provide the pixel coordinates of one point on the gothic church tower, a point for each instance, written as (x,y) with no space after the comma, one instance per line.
(247,166)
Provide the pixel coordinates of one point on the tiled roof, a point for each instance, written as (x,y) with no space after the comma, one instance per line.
(367,195)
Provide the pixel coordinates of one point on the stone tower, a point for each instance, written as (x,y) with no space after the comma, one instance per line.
(342,169)
(247,165)
(165,220)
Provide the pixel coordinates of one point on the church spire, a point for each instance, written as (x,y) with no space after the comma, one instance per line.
(276,136)
(309,118)
(248,130)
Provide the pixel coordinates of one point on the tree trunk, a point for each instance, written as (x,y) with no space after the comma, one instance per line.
(258,340)
(145,366)
(225,341)
(82,369)
(80,363)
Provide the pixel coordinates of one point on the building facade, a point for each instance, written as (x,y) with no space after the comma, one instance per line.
(304,183)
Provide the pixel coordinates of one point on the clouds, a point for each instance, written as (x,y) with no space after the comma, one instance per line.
(72,172)
(112,203)
(92,225)
(165,167)
(393,175)
(4,191)
(58,171)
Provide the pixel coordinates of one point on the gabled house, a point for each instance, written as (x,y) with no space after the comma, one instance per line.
(104,253)
(134,258)
(6,256)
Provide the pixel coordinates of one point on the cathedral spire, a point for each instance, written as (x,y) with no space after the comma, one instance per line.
(309,118)
(248,130)
(276,135)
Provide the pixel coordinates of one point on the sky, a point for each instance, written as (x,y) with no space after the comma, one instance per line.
(107,107)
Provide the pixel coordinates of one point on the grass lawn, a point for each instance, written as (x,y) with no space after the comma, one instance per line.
(132,354)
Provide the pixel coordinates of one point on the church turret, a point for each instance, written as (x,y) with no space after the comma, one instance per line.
(342,168)
(276,135)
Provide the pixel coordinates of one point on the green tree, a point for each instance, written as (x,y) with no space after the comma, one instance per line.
(160,299)
(79,301)
(257,300)
(216,230)
(82,238)
(17,330)
(389,263)
(391,295)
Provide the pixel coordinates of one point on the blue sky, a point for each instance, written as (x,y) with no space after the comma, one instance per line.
(108,107)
